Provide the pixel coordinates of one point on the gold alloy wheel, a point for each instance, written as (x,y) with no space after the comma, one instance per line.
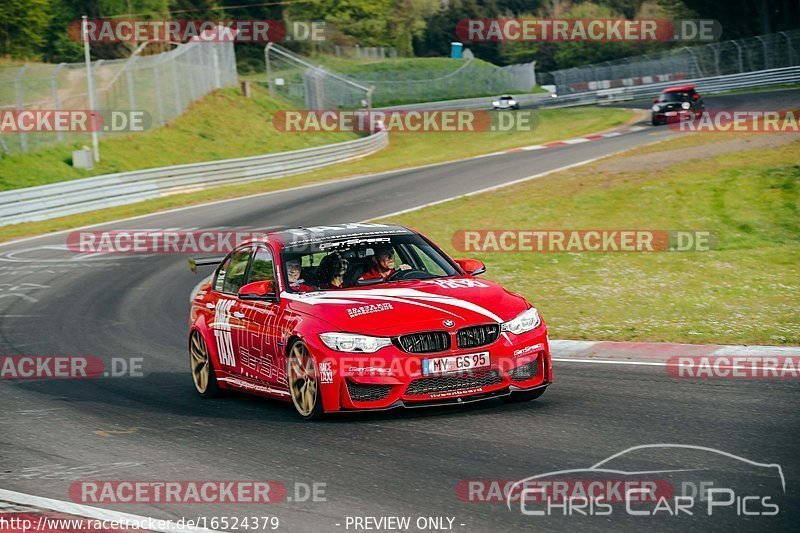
(303,380)
(199,359)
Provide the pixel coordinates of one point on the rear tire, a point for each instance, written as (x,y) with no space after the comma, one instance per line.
(304,383)
(523,395)
(205,380)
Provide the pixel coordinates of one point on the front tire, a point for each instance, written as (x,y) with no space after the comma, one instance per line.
(523,395)
(205,381)
(304,383)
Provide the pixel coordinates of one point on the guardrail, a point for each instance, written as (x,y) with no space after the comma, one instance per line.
(716,84)
(713,85)
(484,102)
(110,190)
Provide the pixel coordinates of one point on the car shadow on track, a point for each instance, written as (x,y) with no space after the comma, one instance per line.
(173,394)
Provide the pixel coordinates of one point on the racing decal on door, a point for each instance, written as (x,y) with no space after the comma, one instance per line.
(260,344)
(222,332)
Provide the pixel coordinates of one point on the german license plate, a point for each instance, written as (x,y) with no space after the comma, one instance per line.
(455,363)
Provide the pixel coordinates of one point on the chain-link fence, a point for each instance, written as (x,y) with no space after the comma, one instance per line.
(160,85)
(295,78)
(375,53)
(717,59)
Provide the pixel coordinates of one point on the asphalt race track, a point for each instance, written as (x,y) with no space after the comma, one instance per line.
(54,432)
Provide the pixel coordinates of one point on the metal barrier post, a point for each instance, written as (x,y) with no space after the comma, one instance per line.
(129,79)
(174,67)
(739,49)
(159,96)
(23,137)
(56,99)
(87,56)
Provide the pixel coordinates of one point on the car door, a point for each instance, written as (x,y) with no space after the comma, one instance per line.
(259,349)
(227,324)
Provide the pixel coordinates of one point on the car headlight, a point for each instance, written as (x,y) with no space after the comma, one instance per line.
(496,103)
(656,108)
(512,102)
(350,342)
(525,321)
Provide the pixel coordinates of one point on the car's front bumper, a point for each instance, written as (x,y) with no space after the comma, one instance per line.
(391,378)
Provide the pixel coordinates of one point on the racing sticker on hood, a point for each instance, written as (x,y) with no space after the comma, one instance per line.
(369,309)
(457,283)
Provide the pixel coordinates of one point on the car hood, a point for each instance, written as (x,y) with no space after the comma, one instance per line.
(408,306)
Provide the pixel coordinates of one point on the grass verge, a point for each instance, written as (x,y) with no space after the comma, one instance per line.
(746,291)
(222,125)
(404,151)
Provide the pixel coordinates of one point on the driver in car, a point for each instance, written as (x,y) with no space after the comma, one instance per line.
(293,274)
(382,265)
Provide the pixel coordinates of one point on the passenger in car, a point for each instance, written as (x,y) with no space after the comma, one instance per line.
(331,271)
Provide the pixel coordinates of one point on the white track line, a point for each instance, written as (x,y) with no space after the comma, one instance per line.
(607,362)
(647,363)
(95,513)
(507,184)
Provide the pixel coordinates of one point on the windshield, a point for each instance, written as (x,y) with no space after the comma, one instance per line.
(681,96)
(358,262)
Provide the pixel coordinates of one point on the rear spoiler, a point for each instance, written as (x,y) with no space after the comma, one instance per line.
(203,261)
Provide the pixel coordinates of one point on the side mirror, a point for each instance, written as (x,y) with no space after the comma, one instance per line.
(472,267)
(655,100)
(258,290)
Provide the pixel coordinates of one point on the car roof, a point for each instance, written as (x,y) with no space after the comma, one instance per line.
(682,88)
(304,235)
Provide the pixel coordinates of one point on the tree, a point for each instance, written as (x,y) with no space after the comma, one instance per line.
(22,31)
